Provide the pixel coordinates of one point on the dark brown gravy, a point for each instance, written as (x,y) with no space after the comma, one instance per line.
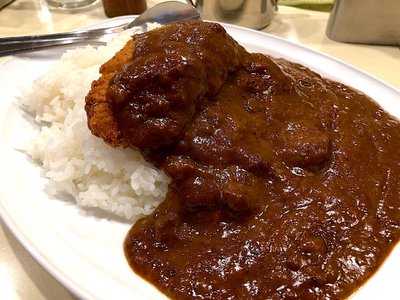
(285,185)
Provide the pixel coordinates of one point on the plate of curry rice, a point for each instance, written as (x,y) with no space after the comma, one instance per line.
(201,160)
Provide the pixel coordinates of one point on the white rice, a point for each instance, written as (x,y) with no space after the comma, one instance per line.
(119,181)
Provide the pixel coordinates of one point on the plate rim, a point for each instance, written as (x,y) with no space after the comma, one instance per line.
(77,290)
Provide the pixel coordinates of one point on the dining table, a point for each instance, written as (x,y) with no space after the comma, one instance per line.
(21,277)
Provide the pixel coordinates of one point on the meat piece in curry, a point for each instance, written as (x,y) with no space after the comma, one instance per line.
(285,185)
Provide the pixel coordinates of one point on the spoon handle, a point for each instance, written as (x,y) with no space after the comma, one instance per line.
(92,33)
(162,13)
(14,48)
(11,45)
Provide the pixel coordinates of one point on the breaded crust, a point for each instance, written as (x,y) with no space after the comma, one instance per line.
(151,89)
(101,121)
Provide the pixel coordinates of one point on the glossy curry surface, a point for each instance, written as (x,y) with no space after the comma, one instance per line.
(285,185)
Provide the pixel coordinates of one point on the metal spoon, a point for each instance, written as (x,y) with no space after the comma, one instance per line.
(163,13)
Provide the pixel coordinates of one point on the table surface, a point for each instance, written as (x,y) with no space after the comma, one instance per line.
(21,277)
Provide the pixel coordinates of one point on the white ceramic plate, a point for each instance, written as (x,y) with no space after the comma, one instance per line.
(84,250)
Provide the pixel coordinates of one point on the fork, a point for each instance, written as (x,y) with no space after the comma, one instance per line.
(163,13)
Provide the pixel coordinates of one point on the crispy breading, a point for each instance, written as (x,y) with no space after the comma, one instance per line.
(151,89)
(101,121)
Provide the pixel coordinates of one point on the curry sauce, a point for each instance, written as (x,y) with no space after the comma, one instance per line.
(285,185)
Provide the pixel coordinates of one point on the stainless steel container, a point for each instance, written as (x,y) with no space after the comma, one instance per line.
(365,21)
(255,14)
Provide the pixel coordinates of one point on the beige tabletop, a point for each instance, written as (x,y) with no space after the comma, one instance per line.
(20,276)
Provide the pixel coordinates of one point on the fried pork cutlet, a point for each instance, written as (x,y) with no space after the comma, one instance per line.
(149,91)
(101,120)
